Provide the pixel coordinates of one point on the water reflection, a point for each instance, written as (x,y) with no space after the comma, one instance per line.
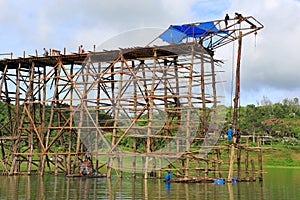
(60,187)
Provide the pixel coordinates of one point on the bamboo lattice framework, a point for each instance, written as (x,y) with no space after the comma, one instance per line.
(152,98)
(137,110)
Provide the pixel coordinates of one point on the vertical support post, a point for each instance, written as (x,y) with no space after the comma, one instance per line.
(55,162)
(166,106)
(135,104)
(239,161)
(7,98)
(202,83)
(98,111)
(236,102)
(147,102)
(150,113)
(15,165)
(44,157)
(260,177)
(81,112)
(206,167)
(113,141)
(71,118)
(40,117)
(178,110)
(231,165)
(219,162)
(16,110)
(237,82)
(214,107)
(59,112)
(246,159)
(197,168)
(247,164)
(188,115)
(116,113)
(32,113)
(253,171)
(213,160)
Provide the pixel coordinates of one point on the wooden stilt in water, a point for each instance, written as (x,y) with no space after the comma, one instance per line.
(253,171)
(231,164)
(239,168)
(56,162)
(219,162)
(260,177)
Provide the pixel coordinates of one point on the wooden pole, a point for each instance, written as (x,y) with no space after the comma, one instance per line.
(237,82)
(231,165)
(219,162)
(188,115)
(44,157)
(114,133)
(253,171)
(117,108)
(135,104)
(32,113)
(239,153)
(150,114)
(236,103)
(56,162)
(214,116)
(166,106)
(213,156)
(260,164)
(71,120)
(98,112)
(202,81)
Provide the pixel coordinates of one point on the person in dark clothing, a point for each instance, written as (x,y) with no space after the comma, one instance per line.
(46,53)
(226,20)
(238,136)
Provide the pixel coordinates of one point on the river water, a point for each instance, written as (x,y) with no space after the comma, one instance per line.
(278,183)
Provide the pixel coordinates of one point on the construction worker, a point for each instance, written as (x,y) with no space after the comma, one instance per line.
(230,135)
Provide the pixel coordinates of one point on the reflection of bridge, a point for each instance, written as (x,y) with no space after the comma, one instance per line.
(59,187)
(136,110)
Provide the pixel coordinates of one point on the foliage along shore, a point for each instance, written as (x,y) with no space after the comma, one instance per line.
(278,125)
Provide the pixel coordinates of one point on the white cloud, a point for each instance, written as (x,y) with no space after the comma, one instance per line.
(270,66)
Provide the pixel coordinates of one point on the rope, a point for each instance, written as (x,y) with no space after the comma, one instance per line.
(255,34)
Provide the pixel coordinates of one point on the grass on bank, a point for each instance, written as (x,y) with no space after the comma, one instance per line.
(282,155)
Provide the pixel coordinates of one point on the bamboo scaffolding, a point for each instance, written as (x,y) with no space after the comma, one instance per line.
(68,106)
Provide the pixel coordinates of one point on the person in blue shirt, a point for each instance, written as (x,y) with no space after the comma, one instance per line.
(230,135)
(168,176)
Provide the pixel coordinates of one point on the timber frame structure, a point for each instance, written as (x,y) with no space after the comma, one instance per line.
(137,110)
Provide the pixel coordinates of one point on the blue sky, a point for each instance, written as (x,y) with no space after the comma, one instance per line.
(269,63)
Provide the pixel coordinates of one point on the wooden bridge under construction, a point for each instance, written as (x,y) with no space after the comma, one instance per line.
(143,110)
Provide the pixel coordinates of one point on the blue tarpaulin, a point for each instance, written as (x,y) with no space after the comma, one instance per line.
(176,33)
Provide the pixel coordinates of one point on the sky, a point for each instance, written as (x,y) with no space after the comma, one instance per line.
(269,64)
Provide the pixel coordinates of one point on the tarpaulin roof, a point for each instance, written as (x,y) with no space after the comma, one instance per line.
(176,33)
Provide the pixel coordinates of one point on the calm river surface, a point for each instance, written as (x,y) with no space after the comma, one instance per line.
(279,183)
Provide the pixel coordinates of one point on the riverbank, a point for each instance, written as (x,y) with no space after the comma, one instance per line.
(281,156)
